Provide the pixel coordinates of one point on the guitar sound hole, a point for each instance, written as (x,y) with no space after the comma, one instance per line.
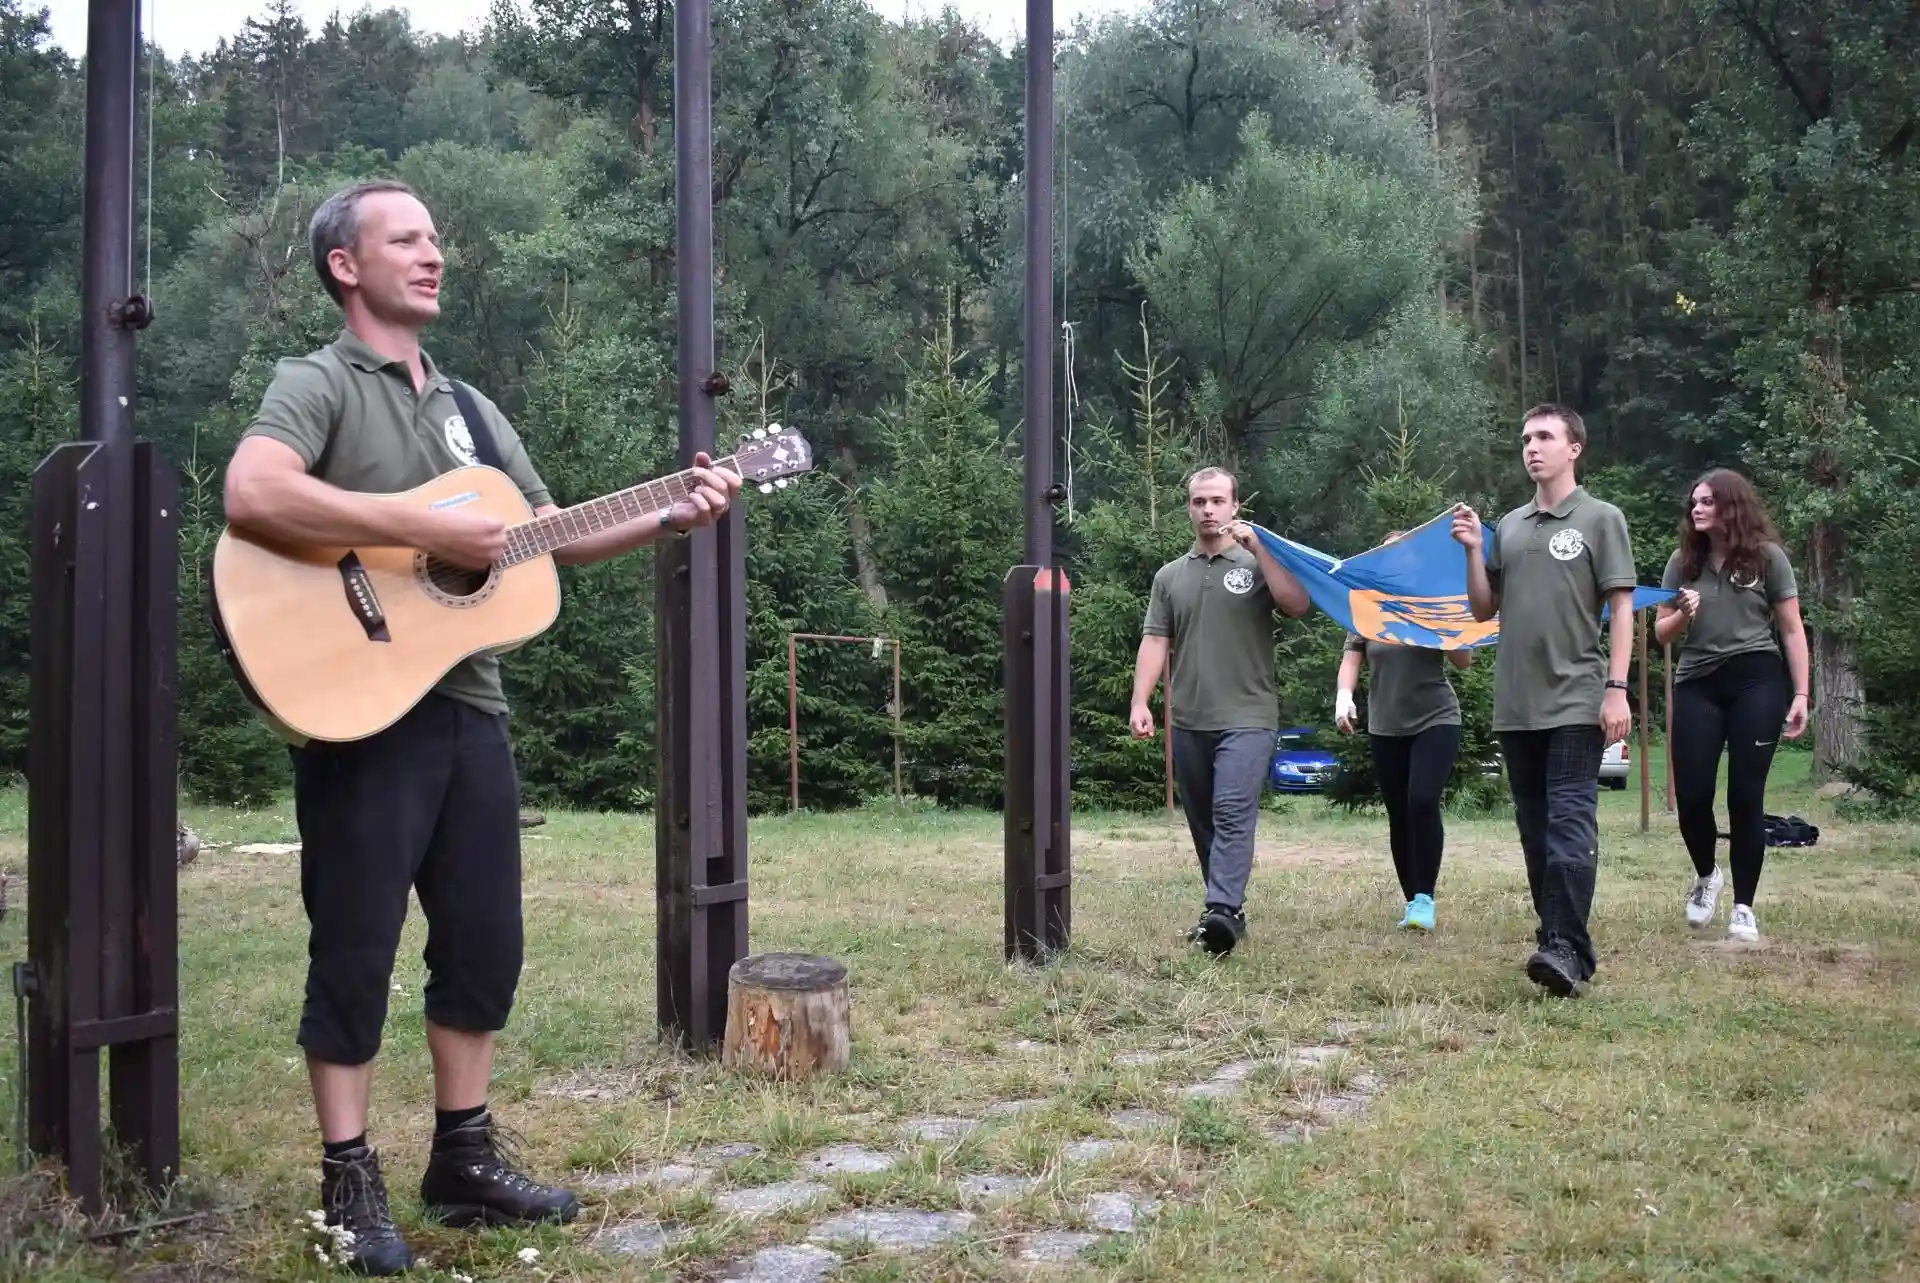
(452,585)
(456,581)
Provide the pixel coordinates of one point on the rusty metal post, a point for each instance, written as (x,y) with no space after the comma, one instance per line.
(793,724)
(700,815)
(1646,778)
(101,920)
(1669,745)
(1034,599)
(899,793)
(1166,676)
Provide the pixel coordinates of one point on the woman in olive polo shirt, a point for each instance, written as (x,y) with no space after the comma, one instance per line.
(1413,726)
(1731,689)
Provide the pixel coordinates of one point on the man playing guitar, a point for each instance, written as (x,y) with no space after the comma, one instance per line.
(431,803)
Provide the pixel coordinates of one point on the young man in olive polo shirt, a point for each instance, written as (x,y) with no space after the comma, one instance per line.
(1551,566)
(431,804)
(1214,609)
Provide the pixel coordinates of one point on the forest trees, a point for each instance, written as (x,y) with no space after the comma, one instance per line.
(1340,245)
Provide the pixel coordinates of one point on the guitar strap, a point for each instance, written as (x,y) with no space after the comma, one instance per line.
(485,448)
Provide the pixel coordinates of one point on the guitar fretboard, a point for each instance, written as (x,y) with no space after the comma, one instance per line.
(556,530)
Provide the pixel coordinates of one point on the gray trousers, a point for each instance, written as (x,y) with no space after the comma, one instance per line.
(1220,776)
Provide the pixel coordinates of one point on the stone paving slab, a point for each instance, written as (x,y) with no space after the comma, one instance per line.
(765,1200)
(1056,1245)
(1118,1212)
(991,1185)
(797,1263)
(662,1176)
(1138,1059)
(641,1239)
(897,1228)
(1314,1057)
(1008,1108)
(1140,1120)
(728,1152)
(848,1160)
(937,1128)
(1092,1151)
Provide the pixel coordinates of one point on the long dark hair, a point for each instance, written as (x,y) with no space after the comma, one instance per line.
(1741,516)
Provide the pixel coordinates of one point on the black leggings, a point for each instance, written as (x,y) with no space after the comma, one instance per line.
(1739,707)
(1413,771)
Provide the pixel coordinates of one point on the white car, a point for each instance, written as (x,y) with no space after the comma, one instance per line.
(1614,764)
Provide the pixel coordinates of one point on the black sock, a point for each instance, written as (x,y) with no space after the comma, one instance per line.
(445,1120)
(339,1148)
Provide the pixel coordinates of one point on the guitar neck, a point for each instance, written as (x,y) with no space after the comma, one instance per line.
(557,530)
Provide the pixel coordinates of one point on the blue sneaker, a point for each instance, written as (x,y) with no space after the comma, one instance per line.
(1419,913)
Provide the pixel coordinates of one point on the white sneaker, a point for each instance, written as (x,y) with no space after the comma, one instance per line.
(1741,926)
(1704,898)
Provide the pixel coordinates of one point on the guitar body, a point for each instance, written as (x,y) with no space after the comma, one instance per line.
(338,643)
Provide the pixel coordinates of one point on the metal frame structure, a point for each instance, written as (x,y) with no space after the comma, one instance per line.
(102,930)
(700,811)
(793,707)
(1034,599)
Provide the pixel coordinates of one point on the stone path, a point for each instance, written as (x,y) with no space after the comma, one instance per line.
(1337,1090)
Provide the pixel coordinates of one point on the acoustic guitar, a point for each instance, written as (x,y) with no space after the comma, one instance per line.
(336,643)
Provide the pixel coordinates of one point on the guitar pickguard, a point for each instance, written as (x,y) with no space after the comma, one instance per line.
(362,600)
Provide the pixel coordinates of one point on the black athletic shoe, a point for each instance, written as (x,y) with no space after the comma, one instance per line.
(1221,929)
(353,1198)
(1198,929)
(1553,968)
(472,1179)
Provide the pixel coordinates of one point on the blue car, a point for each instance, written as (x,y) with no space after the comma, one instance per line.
(1298,766)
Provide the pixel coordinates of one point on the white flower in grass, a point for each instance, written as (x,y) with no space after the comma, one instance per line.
(529,1255)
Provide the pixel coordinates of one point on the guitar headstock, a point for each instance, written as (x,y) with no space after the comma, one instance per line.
(769,456)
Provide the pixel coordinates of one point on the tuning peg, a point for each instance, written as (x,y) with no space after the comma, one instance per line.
(781,483)
(766,487)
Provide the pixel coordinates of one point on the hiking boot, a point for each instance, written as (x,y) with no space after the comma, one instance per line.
(1221,929)
(1553,968)
(353,1198)
(472,1179)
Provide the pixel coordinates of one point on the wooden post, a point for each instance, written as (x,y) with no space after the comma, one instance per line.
(788,1016)
(1646,781)
(1669,728)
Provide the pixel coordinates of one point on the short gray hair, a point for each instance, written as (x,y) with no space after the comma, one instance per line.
(336,225)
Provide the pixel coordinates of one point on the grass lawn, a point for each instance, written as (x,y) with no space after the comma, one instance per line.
(1707,1111)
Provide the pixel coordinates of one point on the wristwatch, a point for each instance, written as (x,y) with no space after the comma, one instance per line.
(1615,684)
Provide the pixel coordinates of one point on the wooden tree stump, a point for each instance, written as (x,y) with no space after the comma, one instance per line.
(788,1016)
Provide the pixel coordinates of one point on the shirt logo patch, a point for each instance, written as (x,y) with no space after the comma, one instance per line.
(1746,580)
(1238,581)
(1567,545)
(459,440)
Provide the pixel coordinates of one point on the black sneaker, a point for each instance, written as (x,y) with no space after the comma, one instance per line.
(353,1198)
(1553,969)
(472,1179)
(1221,929)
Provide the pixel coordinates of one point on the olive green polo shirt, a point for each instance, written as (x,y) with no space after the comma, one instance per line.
(1736,612)
(353,416)
(1219,614)
(1407,687)
(1553,568)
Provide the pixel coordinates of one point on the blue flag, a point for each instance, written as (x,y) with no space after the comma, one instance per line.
(1412,591)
